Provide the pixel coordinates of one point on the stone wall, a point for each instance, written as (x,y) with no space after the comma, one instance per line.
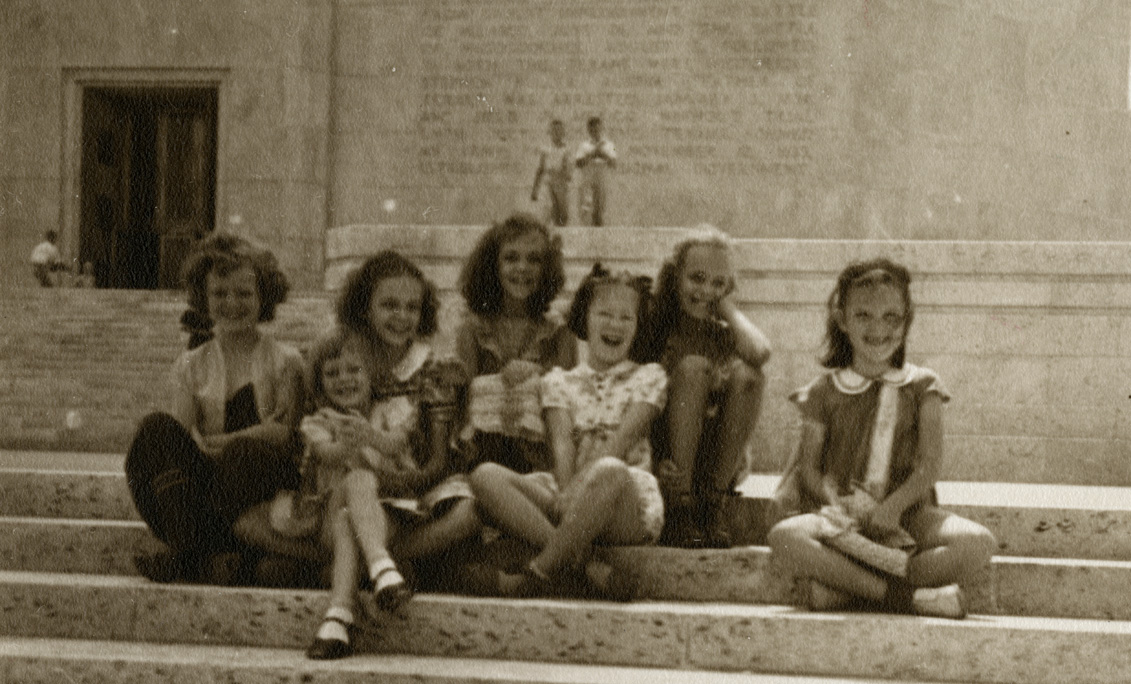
(939,119)
(272,63)
(944,119)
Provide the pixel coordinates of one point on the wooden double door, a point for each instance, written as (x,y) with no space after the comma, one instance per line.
(148,182)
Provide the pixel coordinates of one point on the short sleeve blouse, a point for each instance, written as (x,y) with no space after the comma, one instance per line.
(598,401)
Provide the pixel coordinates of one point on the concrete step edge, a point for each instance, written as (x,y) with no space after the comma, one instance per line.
(47,661)
(1066,587)
(672,635)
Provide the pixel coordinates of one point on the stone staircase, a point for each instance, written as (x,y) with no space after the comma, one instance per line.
(73,609)
(1032,349)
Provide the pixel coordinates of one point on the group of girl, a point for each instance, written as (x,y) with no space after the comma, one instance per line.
(635,437)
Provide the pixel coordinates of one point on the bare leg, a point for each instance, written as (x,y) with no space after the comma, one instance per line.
(688,392)
(954,548)
(718,471)
(253,528)
(795,544)
(368,517)
(458,523)
(343,582)
(604,507)
(517,504)
(740,414)
(332,640)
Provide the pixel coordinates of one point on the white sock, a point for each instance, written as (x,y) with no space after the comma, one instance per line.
(384,574)
(332,627)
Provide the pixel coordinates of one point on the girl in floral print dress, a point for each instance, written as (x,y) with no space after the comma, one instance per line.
(598,416)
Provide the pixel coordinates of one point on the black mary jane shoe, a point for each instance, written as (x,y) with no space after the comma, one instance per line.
(331,649)
(393,595)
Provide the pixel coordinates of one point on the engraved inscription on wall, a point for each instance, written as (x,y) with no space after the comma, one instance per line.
(710,88)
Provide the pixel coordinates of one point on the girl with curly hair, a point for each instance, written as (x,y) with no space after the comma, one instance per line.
(509,338)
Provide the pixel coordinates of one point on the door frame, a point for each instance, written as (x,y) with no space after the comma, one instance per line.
(75,81)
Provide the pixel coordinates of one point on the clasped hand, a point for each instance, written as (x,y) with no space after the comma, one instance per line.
(518,371)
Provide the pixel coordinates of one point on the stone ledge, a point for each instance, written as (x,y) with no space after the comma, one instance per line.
(1055,587)
(723,637)
(48,661)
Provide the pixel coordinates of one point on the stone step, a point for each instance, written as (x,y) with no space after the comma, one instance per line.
(1057,521)
(678,636)
(1011,586)
(49,661)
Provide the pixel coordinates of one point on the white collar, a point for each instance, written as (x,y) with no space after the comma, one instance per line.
(849,381)
(414,359)
(618,369)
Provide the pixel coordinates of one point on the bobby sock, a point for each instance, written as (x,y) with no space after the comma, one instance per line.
(335,623)
(384,574)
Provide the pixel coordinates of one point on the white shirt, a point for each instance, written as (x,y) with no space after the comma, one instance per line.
(45,253)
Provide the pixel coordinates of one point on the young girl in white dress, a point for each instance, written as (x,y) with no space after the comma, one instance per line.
(598,416)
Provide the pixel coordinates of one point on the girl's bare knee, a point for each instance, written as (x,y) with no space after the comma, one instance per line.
(606,473)
(789,534)
(486,475)
(976,548)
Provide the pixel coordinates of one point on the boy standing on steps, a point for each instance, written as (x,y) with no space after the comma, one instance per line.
(554,165)
(595,157)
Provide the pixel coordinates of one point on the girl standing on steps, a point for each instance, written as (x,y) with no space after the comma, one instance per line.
(871,451)
(509,338)
(388,308)
(228,441)
(714,357)
(598,415)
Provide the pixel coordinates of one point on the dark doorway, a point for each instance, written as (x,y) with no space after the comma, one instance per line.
(148,182)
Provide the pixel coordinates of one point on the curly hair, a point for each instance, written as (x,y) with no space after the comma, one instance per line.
(881,271)
(357,295)
(223,253)
(599,276)
(665,313)
(479,278)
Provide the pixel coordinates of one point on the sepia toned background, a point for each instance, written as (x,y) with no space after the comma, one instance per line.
(945,119)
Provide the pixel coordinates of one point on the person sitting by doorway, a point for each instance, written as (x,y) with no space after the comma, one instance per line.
(46,259)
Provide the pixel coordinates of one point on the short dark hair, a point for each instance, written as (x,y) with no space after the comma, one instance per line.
(479,279)
(223,253)
(593,121)
(357,295)
(599,276)
(51,236)
(838,352)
